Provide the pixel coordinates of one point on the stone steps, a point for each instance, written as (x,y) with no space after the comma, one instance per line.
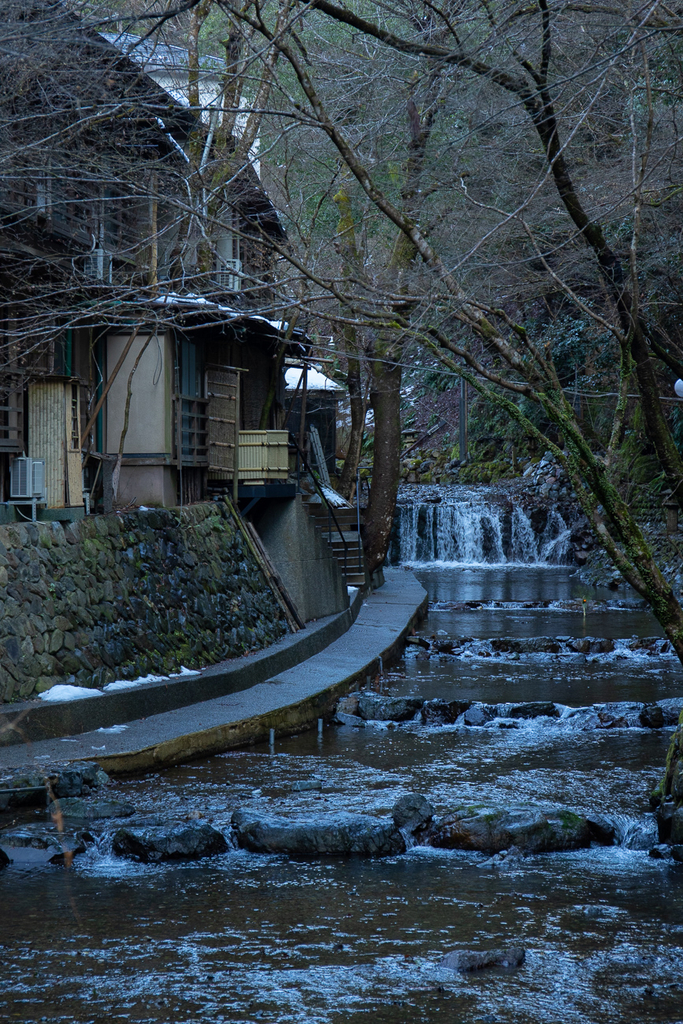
(353,567)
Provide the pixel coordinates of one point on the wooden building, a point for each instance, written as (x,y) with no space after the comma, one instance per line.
(128,308)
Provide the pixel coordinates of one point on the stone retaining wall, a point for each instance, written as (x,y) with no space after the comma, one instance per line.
(122,595)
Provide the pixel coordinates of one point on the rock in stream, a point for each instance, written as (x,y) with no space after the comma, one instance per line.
(374,706)
(32,847)
(175,842)
(465,960)
(90,810)
(337,835)
(492,829)
(32,788)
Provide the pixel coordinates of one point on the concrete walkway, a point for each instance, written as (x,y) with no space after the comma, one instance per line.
(289,702)
(36,719)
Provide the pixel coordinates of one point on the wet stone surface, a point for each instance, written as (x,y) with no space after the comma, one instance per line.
(90,810)
(160,843)
(466,960)
(35,787)
(492,829)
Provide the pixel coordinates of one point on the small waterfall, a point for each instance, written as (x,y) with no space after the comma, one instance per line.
(465,529)
(524,542)
(555,540)
(408,837)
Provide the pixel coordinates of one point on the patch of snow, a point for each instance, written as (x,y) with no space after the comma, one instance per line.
(335,499)
(192,299)
(63,691)
(127,684)
(114,728)
(174,142)
(315,380)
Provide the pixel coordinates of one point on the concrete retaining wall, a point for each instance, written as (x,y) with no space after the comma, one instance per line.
(303,559)
(120,596)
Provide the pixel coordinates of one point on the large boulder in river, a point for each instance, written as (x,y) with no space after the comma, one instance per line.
(375,707)
(492,829)
(178,842)
(412,811)
(68,782)
(652,716)
(671,708)
(339,835)
(33,787)
(437,712)
(443,712)
(464,960)
(541,645)
(479,714)
(33,847)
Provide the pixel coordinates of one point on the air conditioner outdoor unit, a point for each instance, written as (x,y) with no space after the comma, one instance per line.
(97,264)
(228,275)
(27,479)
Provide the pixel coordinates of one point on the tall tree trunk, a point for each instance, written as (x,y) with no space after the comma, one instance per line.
(348,249)
(349,472)
(385,400)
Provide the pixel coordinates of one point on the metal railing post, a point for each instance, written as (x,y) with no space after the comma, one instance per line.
(236,461)
(360,546)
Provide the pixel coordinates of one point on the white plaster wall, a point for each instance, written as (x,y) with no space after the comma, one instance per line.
(150,421)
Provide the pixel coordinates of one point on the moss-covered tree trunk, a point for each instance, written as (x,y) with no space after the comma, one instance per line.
(349,473)
(348,250)
(385,401)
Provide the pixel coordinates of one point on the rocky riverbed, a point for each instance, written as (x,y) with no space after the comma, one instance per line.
(75,824)
(508,867)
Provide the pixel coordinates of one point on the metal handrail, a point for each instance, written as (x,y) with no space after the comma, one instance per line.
(360,542)
(330,512)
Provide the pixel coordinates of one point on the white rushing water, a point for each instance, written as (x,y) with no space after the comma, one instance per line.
(468,530)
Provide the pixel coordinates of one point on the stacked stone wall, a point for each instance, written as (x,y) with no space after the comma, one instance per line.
(123,595)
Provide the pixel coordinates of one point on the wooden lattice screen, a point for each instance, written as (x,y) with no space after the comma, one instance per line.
(221,390)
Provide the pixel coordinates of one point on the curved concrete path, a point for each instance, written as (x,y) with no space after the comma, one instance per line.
(289,702)
(36,720)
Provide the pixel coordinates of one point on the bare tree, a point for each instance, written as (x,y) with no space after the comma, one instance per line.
(539,141)
(496,170)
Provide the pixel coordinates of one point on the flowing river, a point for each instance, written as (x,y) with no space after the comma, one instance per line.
(245,937)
